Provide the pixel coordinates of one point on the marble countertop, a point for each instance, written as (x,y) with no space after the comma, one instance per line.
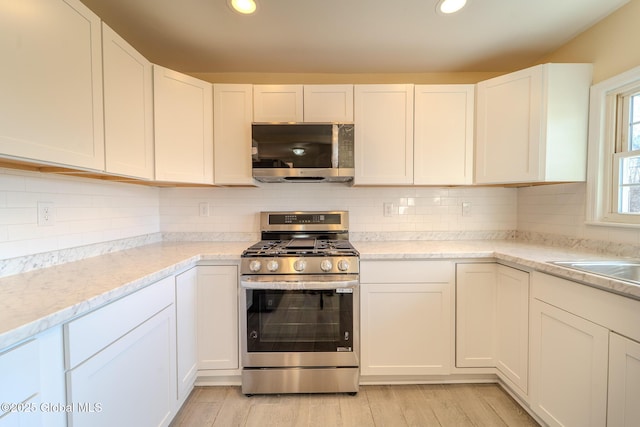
(34,301)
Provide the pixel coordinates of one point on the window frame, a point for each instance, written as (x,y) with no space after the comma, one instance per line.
(602,184)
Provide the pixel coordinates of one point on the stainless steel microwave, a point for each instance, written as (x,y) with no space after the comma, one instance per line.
(302,152)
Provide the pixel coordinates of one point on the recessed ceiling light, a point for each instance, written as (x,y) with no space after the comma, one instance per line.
(245,7)
(450,6)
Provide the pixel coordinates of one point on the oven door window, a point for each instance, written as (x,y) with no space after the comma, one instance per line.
(299,320)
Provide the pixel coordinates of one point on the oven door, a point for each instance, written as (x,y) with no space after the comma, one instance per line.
(300,321)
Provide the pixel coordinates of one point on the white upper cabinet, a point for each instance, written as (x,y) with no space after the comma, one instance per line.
(232,116)
(383,117)
(128,108)
(51,83)
(298,103)
(183,111)
(328,103)
(532,125)
(443,134)
(278,103)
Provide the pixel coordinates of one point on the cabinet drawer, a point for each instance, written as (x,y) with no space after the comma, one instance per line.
(615,312)
(91,333)
(19,369)
(401,271)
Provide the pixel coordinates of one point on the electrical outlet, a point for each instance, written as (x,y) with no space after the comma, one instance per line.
(203,208)
(46,214)
(466,208)
(388,209)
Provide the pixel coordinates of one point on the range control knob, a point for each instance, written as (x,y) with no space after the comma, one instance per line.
(299,265)
(326,265)
(272,265)
(255,265)
(343,265)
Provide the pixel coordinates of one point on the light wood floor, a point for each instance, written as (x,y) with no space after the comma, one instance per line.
(407,405)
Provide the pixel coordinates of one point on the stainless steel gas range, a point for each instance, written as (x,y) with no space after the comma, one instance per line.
(300,306)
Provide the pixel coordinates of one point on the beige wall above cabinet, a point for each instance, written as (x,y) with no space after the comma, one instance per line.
(532,125)
(232,116)
(128,108)
(183,111)
(443,134)
(383,117)
(277,103)
(51,83)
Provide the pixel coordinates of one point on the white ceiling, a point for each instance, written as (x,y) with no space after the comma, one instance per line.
(349,36)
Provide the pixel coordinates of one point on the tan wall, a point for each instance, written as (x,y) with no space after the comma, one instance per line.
(611,45)
(364,78)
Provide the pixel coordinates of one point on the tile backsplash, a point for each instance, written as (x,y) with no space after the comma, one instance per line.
(403,211)
(85,212)
(92,216)
(558,212)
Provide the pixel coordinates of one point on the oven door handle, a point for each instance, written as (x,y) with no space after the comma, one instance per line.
(300,282)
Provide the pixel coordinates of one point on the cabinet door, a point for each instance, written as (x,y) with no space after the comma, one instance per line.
(32,375)
(405,329)
(624,382)
(384,134)
(328,103)
(278,103)
(443,134)
(183,111)
(218,317)
(508,126)
(20,373)
(568,368)
(132,381)
(512,325)
(232,117)
(51,83)
(532,125)
(186,332)
(475,315)
(128,108)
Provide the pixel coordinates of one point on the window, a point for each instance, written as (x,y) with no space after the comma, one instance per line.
(613,184)
(627,153)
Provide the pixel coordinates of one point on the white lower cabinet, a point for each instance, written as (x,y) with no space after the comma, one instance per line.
(568,368)
(129,376)
(32,381)
(475,315)
(186,332)
(585,354)
(406,318)
(492,321)
(512,326)
(217,310)
(624,382)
